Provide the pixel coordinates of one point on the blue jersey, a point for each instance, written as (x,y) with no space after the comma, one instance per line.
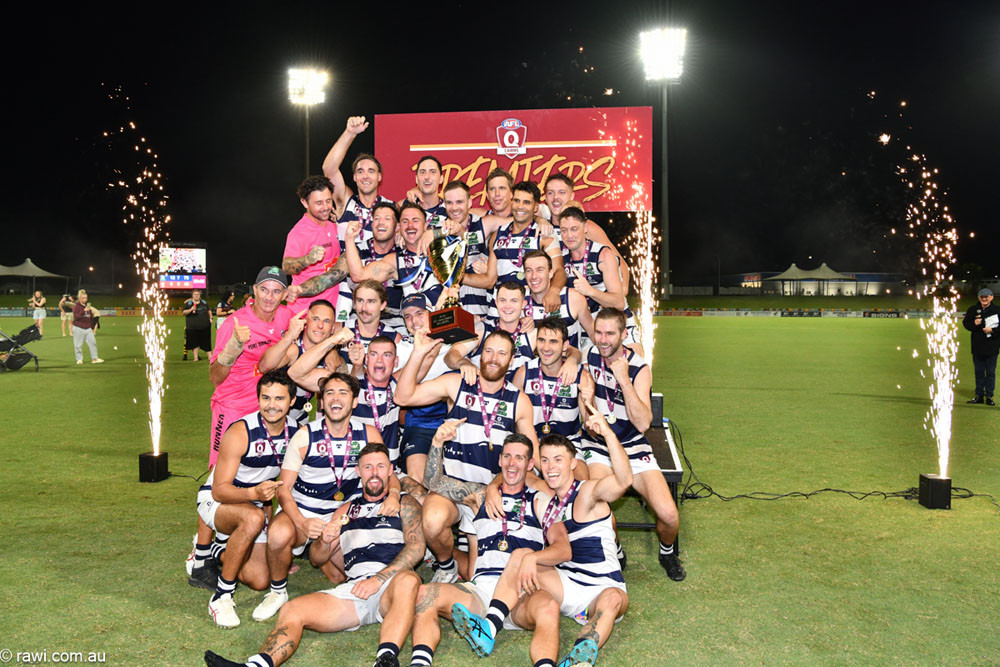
(490,559)
(368,541)
(472,456)
(316,486)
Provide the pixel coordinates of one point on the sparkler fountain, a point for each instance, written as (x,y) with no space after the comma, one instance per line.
(928,218)
(144,205)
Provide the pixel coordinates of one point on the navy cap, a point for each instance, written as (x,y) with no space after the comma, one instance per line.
(418,300)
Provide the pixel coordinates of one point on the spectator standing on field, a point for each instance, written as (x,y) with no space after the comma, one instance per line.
(37,303)
(83,328)
(66,313)
(225,308)
(983,320)
(197,325)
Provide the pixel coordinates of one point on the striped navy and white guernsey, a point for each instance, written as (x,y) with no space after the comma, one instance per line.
(345,297)
(476,300)
(565,416)
(298,411)
(258,463)
(384,329)
(522,348)
(368,541)
(507,248)
(436,215)
(470,457)
(316,483)
(389,420)
(577,336)
(407,263)
(355,210)
(590,268)
(605,385)
(595,557)
(490,560)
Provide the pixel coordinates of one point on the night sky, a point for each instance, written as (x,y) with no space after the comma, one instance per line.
(773,139)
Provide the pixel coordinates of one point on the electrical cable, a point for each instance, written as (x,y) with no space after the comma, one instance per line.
(694,489)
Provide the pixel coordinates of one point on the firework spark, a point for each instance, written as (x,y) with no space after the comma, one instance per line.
(144,205)
(644,238)
(928,218)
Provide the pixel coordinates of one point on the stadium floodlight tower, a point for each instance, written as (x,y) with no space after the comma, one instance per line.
(662,53)
(307,87)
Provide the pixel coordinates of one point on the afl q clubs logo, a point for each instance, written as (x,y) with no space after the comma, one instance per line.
(511,135)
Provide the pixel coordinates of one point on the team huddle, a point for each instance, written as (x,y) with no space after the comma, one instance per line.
(492,461)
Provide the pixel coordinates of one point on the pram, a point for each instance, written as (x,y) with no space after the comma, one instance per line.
(13,353)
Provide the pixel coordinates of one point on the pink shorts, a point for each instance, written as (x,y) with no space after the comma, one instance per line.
(222,417)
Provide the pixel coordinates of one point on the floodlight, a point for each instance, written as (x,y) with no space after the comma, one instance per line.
(306,86)
(662,53)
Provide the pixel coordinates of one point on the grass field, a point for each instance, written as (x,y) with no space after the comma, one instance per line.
(92,560)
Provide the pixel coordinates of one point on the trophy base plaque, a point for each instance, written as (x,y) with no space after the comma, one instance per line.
(453,324)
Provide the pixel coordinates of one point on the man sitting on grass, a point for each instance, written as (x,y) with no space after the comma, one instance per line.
(236,498)
(589,587)
(380,553)
(518,529)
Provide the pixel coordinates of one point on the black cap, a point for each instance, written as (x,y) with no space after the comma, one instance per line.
(272,273)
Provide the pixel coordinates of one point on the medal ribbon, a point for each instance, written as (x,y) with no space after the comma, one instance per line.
(520,518)
(553,510)
(370,395)
(274,450)
(547,409)
(524,244)
(488,419)
(607,393)
(339,479)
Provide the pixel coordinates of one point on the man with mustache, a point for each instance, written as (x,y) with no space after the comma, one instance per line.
(235,500)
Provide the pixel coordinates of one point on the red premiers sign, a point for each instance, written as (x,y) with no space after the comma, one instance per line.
(606,151)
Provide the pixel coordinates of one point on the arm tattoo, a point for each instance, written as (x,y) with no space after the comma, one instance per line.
(295,265)
(413,488)
(325,281)
(443,485)
(413,536)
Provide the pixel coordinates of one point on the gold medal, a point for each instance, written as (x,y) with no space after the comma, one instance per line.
(546,429)
(611,419)
(520,275)
(338,496)
(344,519)
(502,546)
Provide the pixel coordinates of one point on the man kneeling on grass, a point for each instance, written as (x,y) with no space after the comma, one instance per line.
(517,529)
(236,498)
(380,553)
(589,586)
